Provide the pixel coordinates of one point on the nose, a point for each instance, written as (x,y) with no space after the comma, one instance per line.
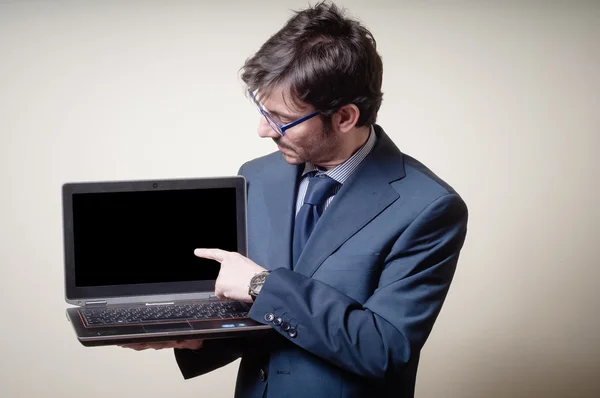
(265,130)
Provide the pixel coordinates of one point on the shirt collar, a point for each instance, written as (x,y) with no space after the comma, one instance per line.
(341,172)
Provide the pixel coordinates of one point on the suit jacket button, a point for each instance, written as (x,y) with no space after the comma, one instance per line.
(277,321)
(293,332)
(263,375)
(269,317)
(285,326)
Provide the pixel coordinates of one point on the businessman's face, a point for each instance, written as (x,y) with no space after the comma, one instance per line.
(309,141)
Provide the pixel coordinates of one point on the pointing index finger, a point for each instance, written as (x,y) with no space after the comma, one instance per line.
(212,254)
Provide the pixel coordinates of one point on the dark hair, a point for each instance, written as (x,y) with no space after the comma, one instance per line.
(326,59)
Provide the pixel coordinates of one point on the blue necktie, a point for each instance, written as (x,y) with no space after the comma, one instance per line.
(319,188)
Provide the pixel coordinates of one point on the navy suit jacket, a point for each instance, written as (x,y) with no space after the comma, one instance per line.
(365,292)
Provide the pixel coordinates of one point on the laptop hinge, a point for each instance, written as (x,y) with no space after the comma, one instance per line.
(212,297)
(96,303)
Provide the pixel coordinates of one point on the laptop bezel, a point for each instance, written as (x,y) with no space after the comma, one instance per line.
(173,291)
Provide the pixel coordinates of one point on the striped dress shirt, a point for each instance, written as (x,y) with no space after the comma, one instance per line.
(339,173)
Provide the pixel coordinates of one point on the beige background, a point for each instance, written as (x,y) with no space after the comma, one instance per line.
(501,99)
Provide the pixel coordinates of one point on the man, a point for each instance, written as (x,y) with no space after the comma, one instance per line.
(352,244)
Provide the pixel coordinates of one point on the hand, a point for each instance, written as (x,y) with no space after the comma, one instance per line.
(235,275)
(189,344)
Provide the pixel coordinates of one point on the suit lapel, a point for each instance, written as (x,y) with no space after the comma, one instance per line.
(280,195)
(362,197)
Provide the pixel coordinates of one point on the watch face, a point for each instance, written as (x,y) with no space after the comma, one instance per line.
(257,282)
(257,288)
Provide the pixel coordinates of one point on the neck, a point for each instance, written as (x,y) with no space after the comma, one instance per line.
(348,146)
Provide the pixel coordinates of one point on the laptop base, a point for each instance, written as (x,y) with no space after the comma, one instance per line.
(163,331)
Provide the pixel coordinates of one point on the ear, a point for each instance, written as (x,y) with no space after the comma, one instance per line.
(345,119)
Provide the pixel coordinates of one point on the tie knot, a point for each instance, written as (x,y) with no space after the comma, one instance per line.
(319,188)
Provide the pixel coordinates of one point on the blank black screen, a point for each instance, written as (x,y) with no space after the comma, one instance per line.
(149,237)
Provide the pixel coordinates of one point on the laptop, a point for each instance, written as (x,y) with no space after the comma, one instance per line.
(131,275)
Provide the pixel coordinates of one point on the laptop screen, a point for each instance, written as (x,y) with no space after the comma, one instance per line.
(123,238)
(137,238)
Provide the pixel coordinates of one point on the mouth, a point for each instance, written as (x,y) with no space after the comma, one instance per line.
(281,147)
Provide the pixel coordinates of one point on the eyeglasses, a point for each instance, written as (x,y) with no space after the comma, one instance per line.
(278,127)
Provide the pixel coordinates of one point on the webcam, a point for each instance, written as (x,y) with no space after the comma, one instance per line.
(155,185)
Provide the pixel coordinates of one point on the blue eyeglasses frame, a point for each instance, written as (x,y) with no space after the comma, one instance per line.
(275,125)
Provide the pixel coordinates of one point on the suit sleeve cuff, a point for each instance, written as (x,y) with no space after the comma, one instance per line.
(270,304)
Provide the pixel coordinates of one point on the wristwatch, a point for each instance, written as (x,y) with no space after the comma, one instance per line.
(256,284)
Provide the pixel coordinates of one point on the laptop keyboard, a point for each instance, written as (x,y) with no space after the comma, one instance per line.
(164,313)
